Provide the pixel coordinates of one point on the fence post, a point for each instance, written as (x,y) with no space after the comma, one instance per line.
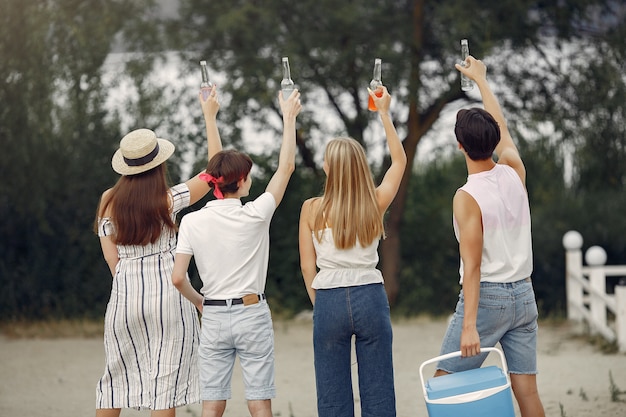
(596,258)
(620,315)
(573,242)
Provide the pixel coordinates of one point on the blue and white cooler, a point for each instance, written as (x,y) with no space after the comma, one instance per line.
(481,392)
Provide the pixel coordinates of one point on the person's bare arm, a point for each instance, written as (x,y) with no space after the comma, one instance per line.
(388,187)
(506,150)
(307,250)
(287,157)
(109,250)
(199,188)
(182,284)
(468,217)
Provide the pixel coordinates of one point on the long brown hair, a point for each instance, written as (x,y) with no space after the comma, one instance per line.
(139,207)
(348,206)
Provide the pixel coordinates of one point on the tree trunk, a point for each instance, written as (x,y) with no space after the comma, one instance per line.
(417,124)
(390,253)
(390,247)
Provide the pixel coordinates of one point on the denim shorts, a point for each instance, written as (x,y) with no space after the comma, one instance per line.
(507,313)
(236,330)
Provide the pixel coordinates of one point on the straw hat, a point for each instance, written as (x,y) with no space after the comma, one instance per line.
(140,151)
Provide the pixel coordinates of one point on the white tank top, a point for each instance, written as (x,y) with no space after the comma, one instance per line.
(507,246)
(344,267)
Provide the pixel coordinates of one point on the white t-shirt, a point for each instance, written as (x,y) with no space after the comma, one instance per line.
(230,245)
(507,254)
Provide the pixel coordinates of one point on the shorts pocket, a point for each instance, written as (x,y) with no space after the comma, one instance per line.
(531,314)
(258,335)
(493,315)
(209,332)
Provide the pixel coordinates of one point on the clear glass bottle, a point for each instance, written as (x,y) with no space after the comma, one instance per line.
(205,86)
(466,83)
(286,85)
(375,84)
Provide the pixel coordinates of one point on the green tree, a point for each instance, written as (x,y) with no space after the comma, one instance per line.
(57,141)
(331,47)
(430,273)
(576,115)
(58,135)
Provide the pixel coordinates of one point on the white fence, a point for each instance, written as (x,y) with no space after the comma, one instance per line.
(587,299)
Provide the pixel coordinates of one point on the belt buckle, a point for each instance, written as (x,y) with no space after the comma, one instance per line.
(250,299)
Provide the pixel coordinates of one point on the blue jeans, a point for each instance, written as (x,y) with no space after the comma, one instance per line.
(340,313)
(507,313)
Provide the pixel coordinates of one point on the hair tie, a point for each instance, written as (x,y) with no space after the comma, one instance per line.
(210,179)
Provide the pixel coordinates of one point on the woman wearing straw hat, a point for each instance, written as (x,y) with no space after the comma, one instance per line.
(151,332)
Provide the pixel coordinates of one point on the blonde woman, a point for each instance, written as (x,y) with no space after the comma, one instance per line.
(339,236)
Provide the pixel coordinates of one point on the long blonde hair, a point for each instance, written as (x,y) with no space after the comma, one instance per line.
(348,206)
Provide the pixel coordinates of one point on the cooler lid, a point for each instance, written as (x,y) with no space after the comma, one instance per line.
(465,382)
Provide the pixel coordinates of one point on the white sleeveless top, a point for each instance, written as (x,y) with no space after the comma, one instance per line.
(507,247)
(344,267)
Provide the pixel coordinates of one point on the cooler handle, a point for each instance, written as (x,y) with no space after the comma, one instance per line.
(458,353)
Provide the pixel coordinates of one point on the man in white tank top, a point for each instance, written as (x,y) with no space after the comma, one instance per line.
(492,224)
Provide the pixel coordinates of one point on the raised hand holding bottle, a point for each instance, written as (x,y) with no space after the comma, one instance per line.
(206,86)
(286,85)
(466,83)
(375,84)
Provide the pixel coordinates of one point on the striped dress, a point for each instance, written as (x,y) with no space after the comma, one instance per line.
(150,330)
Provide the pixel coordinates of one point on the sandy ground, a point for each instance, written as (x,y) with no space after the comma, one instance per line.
(57,377)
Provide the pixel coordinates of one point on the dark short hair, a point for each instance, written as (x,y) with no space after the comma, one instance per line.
(478,132)
(231,166)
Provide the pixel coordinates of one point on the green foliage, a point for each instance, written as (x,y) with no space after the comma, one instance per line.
(56,158)
(566,106)
(285,285)
(600,155)
(430,273)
